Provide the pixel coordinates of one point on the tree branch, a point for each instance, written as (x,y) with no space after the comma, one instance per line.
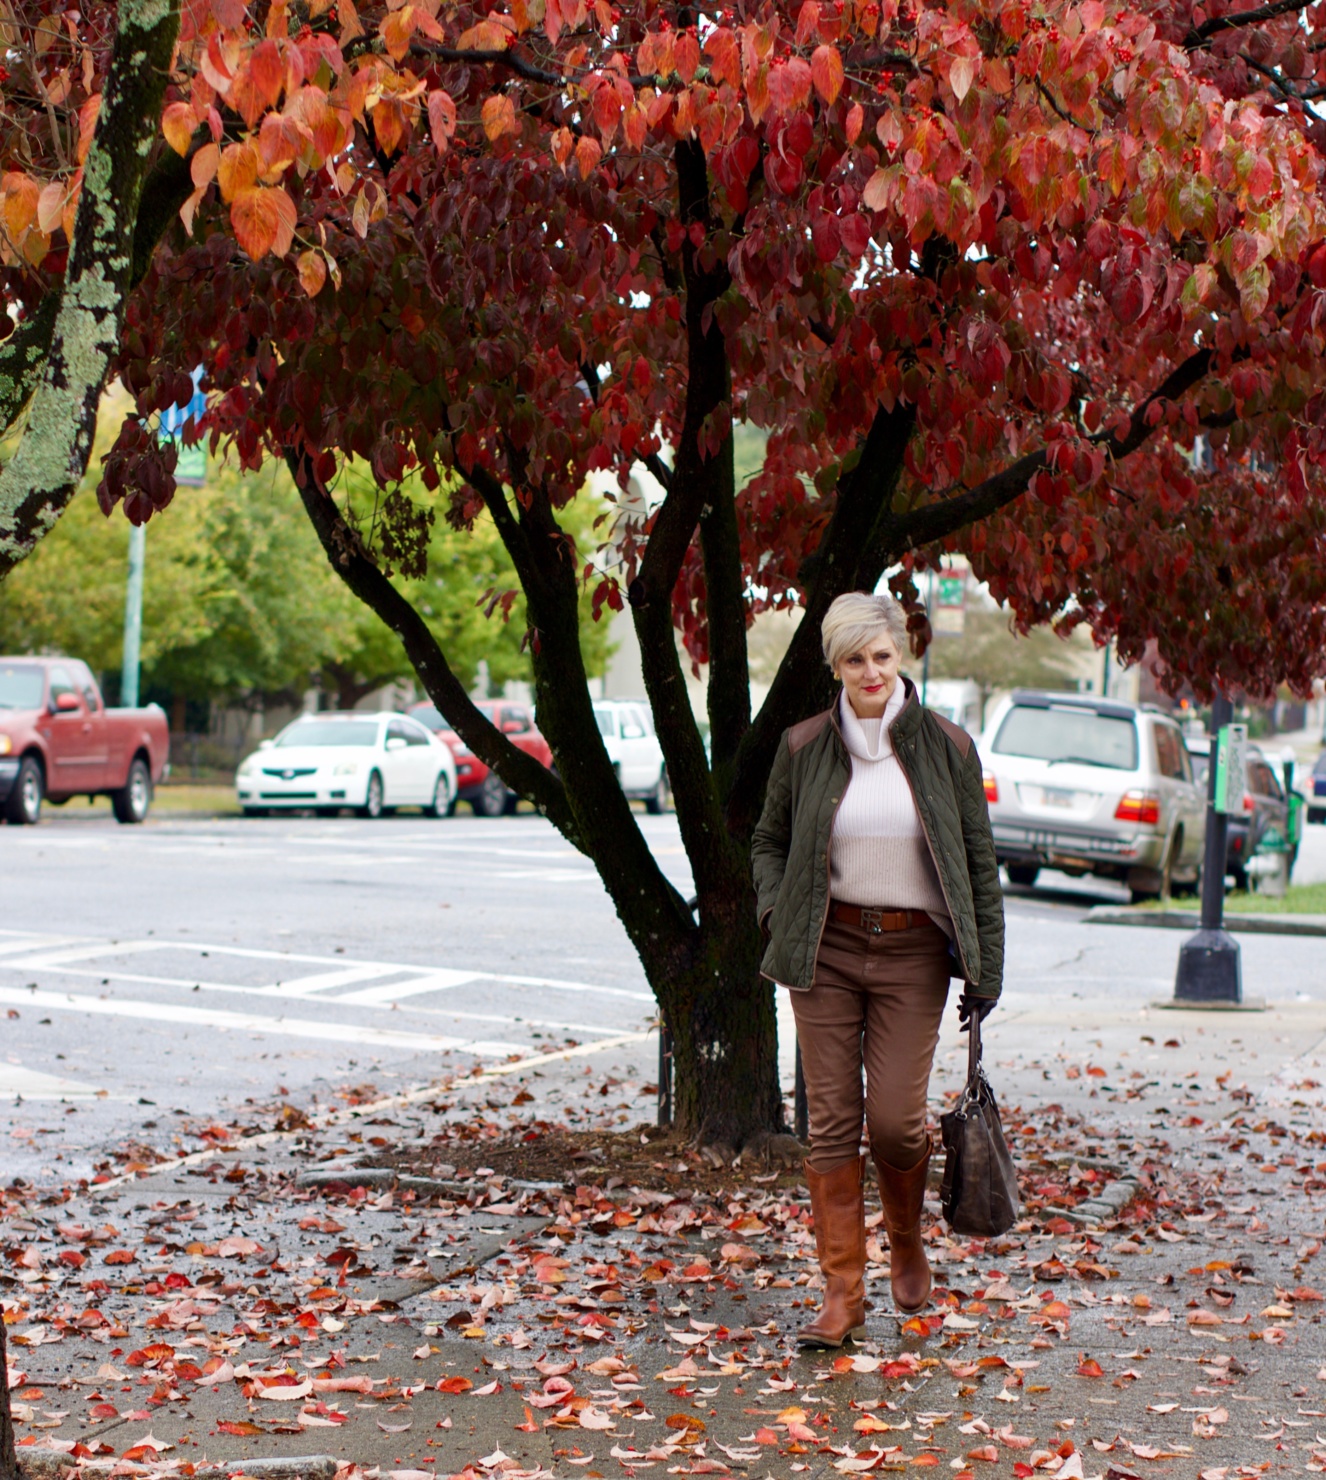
(946,516)
(52,456)
(351,561)
(1235,20)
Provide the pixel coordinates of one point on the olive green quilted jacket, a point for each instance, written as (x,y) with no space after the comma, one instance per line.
(790,848)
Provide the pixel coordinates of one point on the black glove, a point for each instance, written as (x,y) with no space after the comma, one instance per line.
(968,1005)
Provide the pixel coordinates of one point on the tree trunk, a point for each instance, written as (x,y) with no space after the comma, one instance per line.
(725,1041)
(52,455)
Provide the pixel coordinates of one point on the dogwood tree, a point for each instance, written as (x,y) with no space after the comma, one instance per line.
(1040,280)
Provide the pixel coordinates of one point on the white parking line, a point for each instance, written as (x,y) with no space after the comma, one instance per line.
(338,972)
(435,981)
(243,1022)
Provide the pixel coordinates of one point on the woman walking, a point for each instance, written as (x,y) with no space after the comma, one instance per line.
(876,880)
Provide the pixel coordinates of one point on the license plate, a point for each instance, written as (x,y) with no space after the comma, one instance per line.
(1056,796)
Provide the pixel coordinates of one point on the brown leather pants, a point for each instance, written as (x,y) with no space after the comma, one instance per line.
(876,1005)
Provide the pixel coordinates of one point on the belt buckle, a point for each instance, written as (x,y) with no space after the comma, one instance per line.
(873,920)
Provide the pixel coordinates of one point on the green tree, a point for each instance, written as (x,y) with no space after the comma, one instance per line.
(239,601)
(993,654)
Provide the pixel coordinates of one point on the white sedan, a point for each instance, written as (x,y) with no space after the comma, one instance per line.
(371,762)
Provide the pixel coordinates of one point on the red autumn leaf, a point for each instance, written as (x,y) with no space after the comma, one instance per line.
(264,220)
(826,70)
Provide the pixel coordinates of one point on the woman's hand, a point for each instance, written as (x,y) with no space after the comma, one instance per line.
(968,1005)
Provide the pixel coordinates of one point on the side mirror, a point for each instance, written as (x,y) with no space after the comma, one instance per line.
(65,704)
(513,727)
(632,732)
(395,743)
(266,744)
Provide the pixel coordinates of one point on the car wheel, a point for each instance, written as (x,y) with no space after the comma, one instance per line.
(490,799)
(657,800)
(24,804)
(131,802)
(1315,814)
(254,811)
(1240,877)
(1023,874)
(511,805)
(442,804)
(372,807)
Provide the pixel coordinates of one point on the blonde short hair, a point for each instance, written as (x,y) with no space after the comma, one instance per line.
(855,619)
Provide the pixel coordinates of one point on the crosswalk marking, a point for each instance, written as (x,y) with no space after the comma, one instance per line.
(435,981)
(245,1022)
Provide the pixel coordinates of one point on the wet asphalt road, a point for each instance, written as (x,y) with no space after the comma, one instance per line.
(155,978)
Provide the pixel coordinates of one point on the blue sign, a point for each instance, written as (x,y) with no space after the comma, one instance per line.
(191,462)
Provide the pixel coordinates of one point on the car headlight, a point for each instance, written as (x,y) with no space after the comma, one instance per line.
(346,768)
(246,768)
(6,744)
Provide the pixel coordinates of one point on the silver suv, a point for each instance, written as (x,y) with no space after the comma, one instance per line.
(1093,786)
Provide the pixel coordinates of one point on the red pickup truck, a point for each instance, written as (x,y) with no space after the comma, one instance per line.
(58,740)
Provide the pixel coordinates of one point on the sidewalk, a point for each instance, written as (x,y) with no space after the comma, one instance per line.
(386,1292)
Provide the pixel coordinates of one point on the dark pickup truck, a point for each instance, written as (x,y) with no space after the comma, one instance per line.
(58,740)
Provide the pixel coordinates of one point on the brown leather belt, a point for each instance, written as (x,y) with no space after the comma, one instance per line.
(877,921)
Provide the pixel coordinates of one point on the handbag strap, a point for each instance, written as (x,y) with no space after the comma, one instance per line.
(973,1052)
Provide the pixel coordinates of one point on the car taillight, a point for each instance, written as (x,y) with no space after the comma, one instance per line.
(1138,806)
(991,786)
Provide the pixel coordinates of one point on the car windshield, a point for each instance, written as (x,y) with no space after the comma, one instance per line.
(1081,736)
(20,686)
(606,725)
(329,732)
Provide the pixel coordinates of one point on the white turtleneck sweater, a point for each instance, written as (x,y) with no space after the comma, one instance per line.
(878,856)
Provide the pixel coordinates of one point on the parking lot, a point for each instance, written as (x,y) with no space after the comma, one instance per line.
(159,977)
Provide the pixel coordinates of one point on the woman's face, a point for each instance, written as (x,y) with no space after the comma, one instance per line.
(869,675)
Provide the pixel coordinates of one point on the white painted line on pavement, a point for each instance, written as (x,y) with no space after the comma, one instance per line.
(344,971)
(237,1022)
(435,981)
(22,1083)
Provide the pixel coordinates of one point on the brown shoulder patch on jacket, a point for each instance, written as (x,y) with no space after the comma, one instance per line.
(956,733)
(801,735)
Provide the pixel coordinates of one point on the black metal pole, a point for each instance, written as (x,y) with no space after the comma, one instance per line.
(1209,965)
(800,1104)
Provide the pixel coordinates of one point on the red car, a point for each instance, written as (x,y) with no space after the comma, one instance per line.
(58,740)
(482,788)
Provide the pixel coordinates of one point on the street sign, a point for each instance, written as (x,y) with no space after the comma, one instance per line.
(1231,769)
(949,617)
(190,462)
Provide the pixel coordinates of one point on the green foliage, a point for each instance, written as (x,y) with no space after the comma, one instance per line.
(994,656)
(239,599)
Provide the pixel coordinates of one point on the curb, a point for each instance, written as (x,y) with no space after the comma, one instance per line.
(1287,924)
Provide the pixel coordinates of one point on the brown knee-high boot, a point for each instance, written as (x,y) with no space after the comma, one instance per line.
(837,1200)
(903,1194)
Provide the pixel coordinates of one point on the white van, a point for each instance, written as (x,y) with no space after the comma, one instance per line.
(627,727)
(956,699)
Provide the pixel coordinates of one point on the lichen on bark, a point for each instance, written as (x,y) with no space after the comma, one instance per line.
(52,454)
